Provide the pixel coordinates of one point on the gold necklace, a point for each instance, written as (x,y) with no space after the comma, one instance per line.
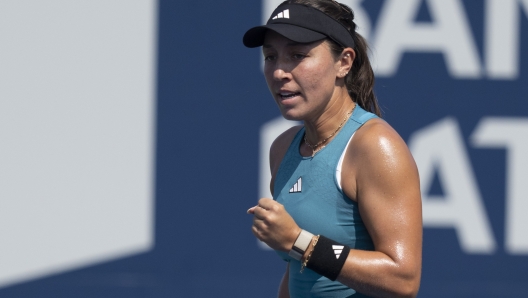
(314,147)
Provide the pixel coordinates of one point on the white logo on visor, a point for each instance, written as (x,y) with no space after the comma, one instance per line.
(282,15)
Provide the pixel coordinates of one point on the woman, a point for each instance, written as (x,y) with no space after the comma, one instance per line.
(346,212)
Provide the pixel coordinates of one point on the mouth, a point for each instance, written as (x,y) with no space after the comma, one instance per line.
(288,95)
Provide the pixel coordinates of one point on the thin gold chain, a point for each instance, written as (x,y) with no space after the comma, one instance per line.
(314,242)
(314,147)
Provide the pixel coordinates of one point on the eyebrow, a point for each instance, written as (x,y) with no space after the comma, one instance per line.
(291,44)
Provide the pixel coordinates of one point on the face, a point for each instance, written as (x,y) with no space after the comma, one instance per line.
(301,77)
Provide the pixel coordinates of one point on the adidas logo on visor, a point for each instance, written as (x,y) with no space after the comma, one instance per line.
(282,15)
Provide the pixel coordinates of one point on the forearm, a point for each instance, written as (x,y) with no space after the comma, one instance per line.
(375,273)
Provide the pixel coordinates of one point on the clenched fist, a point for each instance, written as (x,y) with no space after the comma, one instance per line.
(273,225)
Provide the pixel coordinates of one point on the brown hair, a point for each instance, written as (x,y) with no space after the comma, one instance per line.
(360,80)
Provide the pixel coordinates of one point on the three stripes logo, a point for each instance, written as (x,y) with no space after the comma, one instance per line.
(297,187)
(338,249)
(282,15)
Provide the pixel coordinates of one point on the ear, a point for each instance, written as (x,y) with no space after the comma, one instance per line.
(346,60)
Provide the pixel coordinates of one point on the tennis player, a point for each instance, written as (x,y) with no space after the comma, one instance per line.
(346,208)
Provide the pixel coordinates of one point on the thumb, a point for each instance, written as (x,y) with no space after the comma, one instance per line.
(251,210)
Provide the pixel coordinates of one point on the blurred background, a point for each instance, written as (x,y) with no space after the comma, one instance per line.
(134,136)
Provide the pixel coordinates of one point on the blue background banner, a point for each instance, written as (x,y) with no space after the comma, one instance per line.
(452,79)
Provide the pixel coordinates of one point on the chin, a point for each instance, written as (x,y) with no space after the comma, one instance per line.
(291,115)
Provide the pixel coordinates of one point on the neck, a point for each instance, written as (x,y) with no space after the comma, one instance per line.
(319,133)
(329,121)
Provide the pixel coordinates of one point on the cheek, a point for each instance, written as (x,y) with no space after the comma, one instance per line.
(319,77)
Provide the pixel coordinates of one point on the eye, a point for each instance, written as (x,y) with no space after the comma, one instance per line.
(269,57)
(298,56)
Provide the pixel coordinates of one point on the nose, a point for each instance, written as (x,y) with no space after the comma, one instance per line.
(282,68)
(280,73)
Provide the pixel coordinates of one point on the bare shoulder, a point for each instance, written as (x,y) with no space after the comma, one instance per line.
(280,146)
(377,142)
(377,158)
(375,135)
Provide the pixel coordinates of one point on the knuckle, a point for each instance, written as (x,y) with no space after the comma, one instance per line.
(277,208)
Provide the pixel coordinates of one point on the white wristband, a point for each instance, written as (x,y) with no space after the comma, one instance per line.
(300,245)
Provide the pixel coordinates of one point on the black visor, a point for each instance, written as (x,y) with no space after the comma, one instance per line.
(300,23)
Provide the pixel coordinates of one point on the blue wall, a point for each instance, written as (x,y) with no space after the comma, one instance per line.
(211,103)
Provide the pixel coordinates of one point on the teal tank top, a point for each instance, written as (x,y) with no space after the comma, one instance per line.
(309,191)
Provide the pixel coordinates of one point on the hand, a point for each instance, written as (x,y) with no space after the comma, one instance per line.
(273,225)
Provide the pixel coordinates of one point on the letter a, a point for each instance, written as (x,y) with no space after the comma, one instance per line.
(440,147)
(449,34)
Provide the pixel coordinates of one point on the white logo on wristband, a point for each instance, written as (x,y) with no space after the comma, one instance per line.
(338,249)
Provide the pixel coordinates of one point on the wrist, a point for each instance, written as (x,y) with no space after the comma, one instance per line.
(327,257)
(300,245)
(308,251)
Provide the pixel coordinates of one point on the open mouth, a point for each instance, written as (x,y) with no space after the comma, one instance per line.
(287,95)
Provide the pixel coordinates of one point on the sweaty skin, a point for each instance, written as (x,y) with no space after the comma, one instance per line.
(378,171)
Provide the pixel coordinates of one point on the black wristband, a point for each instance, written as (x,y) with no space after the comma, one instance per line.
(328,257)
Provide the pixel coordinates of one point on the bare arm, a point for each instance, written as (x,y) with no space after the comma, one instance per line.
(383,179)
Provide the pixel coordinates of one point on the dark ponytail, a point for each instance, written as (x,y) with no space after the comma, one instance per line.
(360,80)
